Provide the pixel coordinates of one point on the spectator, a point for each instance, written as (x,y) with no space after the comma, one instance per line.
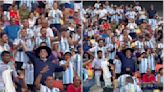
(96,65)
(43,38)
(130,86)
(118,66)
(148,77)
(29,71)
(56,16)
(20,56)
(30,33)
(32,20)
(14,14)
(143,63)
(159,77)
(70,72)
(24,12)
(12,30)
(9,75)
(39,60)
(128,63)
(78,61)
(76,86)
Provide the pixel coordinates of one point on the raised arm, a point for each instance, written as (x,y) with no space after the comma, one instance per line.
(39,77)
(24,85)
(121,55)
(29,53)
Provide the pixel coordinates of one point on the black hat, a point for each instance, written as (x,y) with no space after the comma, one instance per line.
(37,51)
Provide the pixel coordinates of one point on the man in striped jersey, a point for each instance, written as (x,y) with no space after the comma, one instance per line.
(149,41)
(112,48)
(65,40)
(130,86)
(139,43)
(143,62)
(69,73)
(20,56)
(42,38)
(151,59)
(78,61)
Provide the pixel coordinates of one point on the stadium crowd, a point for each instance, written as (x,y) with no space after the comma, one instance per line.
(40,46)
(123,47)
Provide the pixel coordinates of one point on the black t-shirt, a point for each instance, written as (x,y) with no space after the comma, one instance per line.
(151,13)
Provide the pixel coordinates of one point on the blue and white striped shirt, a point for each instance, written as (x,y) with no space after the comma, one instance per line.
(118,65)
(143,65)
(151,61)
(139,44)
(57,15)
(21,56)
(112,54)
(149,44)
(39,40)
(130,88)
(78,64)
(68,74)
(64,45)
(121,80)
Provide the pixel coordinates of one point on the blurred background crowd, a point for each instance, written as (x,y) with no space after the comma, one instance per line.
(40,46)
(75,46)
(122,44)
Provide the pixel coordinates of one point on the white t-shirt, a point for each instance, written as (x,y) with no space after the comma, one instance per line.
(32,22)
(97,48)
(97,5)
(46,89)
(102,13)
(104,66)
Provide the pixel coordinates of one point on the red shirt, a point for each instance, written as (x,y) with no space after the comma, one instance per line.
(106,26)
(147,79)
(15,15)
(71,88)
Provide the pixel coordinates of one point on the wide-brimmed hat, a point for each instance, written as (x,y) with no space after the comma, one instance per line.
(37,51)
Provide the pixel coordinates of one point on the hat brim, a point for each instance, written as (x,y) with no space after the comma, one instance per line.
(37,51)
